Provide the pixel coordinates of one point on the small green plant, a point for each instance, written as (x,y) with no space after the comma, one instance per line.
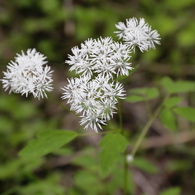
(95,95)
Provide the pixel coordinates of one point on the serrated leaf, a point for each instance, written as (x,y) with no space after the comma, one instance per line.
(178,86)
(186,112)
(145,165)
(173,101)
(168,119)
(113,145)
(171,191)
(47,142)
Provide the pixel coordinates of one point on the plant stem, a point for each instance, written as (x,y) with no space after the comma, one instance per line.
(56,101)
(125,173)
(147,126)
(125,153)
(120,117)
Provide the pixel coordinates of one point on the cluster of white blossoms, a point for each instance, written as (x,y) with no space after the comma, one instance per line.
(94,99)
(28,75)
(94,94)
(102,56)
(137,33)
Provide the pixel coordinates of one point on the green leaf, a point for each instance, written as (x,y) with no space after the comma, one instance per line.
(47,142)
(85,159)
(116,182)
(142,94)
(184,86)
(134,98)
(16,167)
(48,185)
(113,145)
(173,101)
(186,112)
(178,86)
(168,119)
(171,191)
(145,165)
(63,151)
(152,93)
(168,84)
(140,91)
(84,178)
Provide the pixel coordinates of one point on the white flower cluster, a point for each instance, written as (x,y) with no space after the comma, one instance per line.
(94,94)
(28,75)
(137,33)
(102,56)
(98,62)
(94,99)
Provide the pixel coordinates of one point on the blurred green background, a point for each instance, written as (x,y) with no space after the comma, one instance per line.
(53,27)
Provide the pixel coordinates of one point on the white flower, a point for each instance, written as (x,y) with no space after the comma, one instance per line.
(93,99)
(80,62)
(102,56)
(137,33)
(28,75)
(74,90)
(92,122)
(114,91)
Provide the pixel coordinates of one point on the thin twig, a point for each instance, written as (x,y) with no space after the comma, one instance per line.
(147,126)
(56,101)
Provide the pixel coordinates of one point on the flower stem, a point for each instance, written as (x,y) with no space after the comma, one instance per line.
(120,117)
(147,126)
(125,153)
(56,101)
(125,173)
